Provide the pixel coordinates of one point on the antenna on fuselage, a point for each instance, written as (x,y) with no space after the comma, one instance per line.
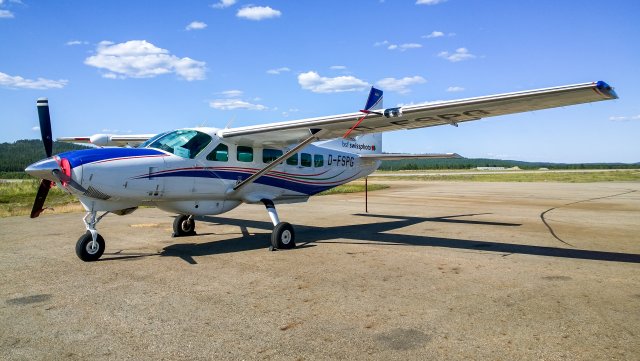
(230,122)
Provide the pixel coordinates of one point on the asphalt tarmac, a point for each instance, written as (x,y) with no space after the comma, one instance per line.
(435,270)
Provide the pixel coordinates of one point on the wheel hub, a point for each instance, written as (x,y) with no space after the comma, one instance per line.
(92,247)
(186,226)
(286,237)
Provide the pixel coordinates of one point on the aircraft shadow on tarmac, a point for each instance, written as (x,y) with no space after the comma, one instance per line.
(374,234)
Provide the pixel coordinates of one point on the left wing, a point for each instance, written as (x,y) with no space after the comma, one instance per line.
(419,116)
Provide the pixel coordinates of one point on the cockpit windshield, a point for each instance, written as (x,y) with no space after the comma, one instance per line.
(183,143)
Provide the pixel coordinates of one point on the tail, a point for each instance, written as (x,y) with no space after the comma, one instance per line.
(362,144)
(374,102)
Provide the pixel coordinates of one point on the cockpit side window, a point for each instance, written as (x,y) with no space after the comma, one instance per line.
(183,143)
(219,154)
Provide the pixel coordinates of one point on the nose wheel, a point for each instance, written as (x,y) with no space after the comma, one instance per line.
(283,236)
(88,250)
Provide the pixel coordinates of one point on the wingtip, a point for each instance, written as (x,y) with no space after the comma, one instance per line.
(606,89)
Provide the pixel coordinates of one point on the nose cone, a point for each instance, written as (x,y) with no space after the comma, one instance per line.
(43,169)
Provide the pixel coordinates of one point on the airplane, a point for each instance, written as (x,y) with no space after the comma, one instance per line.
(209,171)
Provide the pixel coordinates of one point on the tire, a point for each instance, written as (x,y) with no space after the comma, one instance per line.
(283,236)
(184,225)
(84,250)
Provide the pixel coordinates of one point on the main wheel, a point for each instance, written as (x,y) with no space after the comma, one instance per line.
(86,250)
(283,236)
(184,225)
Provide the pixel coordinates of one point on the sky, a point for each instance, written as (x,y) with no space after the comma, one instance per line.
(144,66)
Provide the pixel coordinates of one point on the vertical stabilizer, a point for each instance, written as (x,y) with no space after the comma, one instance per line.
(374,101)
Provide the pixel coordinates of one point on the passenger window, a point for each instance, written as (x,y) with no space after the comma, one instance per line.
(245,154)
(293,160)
(219,154)
(318,160)
(269,155)
(305,159)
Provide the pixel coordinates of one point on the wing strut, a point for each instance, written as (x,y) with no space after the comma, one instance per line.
(279,160)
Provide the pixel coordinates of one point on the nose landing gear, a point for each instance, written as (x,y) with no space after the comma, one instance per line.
(90,246)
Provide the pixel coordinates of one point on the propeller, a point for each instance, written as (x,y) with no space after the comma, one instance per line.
(45,131)
(45,125)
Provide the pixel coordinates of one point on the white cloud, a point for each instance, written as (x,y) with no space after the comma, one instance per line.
(36,128)
(9,81)
(258,13)
(141,59)
(338,67)
(234,104)
(399,85)
(625,118)
(223,4)
(196,25)
(459,55)
(76,42)
(278,70)
(7,14)
(381,43)
(291,110)
(429,2)
(232,93)
(404,47)
(434,34)
(453,89)
(320,84)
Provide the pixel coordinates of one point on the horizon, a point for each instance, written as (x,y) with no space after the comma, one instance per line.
(133,68)
(408,160)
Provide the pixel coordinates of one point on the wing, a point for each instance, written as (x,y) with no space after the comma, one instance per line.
(103,140)
(420,116)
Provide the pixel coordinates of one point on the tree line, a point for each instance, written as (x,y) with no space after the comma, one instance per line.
(15,157)
(471,163)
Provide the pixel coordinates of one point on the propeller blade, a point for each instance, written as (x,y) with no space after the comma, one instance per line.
(45,125)
(38,204)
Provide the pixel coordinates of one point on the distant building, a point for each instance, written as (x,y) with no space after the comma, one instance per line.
(491,168)
(497,168)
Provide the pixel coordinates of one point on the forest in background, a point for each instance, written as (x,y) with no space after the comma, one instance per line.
(15,157)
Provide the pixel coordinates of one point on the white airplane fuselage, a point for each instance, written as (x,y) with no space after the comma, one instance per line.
(117,179)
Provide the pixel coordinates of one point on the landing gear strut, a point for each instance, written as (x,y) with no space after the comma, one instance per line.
(283,236)
(184,225)
(90,246)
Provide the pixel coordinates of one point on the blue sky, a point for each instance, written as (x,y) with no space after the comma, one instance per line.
(150,66)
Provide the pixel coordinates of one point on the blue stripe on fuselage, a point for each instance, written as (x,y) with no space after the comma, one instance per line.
(309,189)
(80,157)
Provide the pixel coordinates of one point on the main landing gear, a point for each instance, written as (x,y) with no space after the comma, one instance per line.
(90,246)
(184,225)
(283,236)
